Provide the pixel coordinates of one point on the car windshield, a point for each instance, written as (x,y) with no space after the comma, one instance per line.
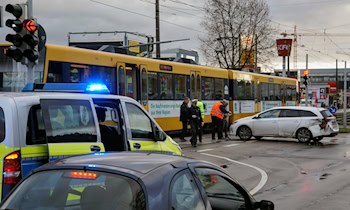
(83,190)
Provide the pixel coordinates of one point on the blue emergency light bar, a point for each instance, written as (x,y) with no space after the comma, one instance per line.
(67,87)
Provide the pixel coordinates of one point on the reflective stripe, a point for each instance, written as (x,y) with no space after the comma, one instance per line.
(216,112)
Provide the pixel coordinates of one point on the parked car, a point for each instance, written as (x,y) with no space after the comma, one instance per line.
(303,123)
(131,180)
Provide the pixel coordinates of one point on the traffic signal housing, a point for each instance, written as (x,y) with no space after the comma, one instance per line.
(306,77)
(25,41)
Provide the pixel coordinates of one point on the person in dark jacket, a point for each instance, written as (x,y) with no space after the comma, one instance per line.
(184,117)
(195,121)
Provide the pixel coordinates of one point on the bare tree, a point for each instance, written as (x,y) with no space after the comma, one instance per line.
(236,30)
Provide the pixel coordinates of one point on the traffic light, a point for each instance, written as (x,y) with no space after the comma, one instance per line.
(25,41)
(15,51)
(306,77)
(150,41)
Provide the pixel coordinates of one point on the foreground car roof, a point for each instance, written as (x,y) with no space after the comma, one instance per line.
(141,163)
(310,108)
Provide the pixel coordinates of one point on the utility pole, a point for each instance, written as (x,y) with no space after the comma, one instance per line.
(157,30)
(307,86)
(336,81)
(345,97)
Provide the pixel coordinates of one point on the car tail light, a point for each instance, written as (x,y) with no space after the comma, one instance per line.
(82,175)
(12,168)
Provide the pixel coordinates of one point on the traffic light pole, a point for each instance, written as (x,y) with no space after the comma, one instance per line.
(30,65)
(307,86)
(345,98)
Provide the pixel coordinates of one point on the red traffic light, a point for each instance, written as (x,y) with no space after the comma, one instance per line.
(30,25)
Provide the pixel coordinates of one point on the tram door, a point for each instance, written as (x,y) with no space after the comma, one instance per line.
(196,85)
(121,79)
(144,86)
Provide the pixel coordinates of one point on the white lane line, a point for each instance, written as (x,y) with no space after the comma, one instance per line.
(205,150)
(231,145)
(263,174)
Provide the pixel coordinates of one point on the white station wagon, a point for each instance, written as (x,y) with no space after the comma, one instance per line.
(303,123)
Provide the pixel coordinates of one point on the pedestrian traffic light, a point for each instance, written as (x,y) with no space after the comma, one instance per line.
(25,41)
(306,77)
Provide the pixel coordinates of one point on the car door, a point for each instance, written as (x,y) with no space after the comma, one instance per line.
(223,192)
(266,124)
(288,122)
(71,127)
(140,128)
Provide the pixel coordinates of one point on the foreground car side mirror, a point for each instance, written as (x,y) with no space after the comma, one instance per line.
(264,205)
(256,117)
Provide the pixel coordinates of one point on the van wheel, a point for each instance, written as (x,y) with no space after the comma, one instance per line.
(244,133)
(304,135)
(258,137)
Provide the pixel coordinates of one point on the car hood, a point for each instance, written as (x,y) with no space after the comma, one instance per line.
(245,118)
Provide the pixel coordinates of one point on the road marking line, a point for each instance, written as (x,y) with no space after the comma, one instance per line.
(251,141)
(263,174)
(205,150)
(231,145)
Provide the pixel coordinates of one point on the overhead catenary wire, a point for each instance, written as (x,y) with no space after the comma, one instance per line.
(147,16)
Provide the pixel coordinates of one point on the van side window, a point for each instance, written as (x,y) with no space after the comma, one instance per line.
(36,133)
(69,121)
(139,122)
(2,125)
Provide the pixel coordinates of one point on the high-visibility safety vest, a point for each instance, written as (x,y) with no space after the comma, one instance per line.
(216,112)
(200,105)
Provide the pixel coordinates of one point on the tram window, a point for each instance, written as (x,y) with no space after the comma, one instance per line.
(74,73)
(180,86)
(208,88)
(240,89)
(278,92)
(291,93)
(121,79)
(130,83)
(219,89)
(249,90)
(166,86)
(152,86)
(264,91)
(257,92)
(272,92)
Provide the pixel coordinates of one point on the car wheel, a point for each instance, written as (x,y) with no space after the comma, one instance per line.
(258,137)
(244,133)
(319,138)
(304,135)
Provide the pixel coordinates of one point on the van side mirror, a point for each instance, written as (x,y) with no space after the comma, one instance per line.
(114,116)
(264,205)
(158,134)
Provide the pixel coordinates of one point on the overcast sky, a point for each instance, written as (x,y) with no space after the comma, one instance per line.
(182,18)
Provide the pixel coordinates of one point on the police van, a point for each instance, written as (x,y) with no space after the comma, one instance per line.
(43,124)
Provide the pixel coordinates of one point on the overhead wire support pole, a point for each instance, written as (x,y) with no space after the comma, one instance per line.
(307,85)
(30,65)
(157,30)
(345,97)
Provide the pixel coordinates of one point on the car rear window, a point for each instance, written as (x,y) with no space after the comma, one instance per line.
(67,189)
(2,125)
(326,113)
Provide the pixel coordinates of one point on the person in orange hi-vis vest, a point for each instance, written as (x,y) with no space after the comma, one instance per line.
(217,117)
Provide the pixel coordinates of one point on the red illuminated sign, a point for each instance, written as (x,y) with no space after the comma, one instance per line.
(284,46)
(165,67)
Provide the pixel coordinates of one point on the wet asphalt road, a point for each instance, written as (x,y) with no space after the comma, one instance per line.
(299,176)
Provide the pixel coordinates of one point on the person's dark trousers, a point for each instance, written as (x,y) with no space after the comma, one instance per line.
(184,130)
(195,132)
(225,128)
(216,127)
(200,132)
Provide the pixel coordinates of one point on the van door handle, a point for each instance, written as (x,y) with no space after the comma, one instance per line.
(95,148)
(137,146)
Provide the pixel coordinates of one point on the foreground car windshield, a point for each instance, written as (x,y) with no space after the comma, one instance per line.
(76,190)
